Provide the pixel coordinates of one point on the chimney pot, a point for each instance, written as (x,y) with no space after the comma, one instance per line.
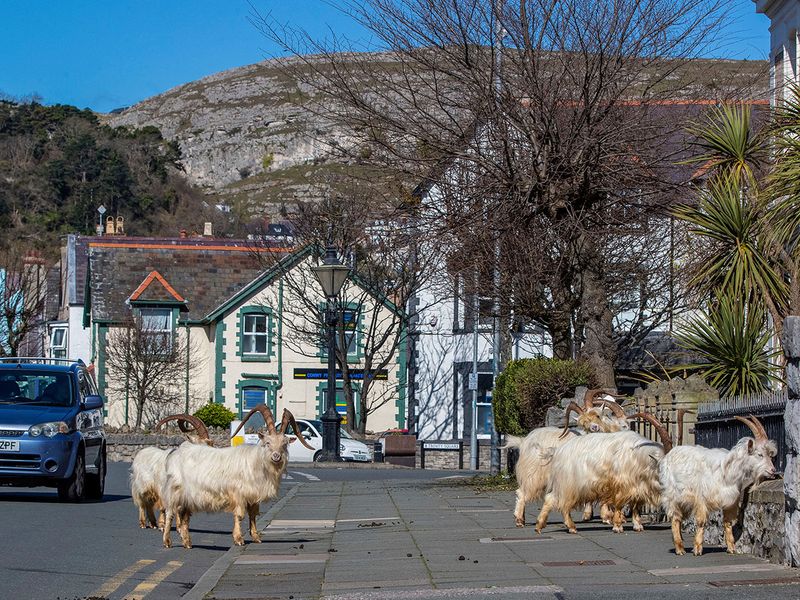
(183,233)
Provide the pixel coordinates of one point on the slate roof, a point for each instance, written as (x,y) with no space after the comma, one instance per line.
(203,271)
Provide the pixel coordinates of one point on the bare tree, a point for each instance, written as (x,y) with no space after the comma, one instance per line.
(152,365)
(389,264)
(22,301)
(546,126)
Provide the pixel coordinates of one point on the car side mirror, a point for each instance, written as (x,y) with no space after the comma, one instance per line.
(93,402)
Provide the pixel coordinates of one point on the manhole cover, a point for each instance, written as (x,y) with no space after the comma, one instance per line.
(742,582)
(579,563)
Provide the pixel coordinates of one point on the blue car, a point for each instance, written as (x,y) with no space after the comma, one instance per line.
(51,427)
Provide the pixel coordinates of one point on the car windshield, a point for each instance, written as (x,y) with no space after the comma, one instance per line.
(25,387)
(318,426)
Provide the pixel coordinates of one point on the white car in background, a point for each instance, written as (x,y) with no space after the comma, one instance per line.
(350,449)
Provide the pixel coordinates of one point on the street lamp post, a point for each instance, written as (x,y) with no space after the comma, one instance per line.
(331,275)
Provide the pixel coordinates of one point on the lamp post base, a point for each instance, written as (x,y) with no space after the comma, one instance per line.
(330,437)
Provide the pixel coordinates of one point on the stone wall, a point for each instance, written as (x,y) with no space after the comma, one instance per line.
(759,530)
(791,348)
(122,447)
(448,460)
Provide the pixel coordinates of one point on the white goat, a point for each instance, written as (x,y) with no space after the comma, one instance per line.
(234,479)
(533,466)
(148,470)
(618,469)
(698,481)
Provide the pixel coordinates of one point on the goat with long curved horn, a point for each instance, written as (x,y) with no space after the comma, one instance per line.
(666,441)
(288,419)
(755,426)
(198,426)
(571,407)
(266,412)
(682,412)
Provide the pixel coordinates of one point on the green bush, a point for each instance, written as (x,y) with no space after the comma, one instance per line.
(215,415)
(528,387)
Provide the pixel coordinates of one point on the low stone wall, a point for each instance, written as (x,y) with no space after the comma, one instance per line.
(448,460)
(760,528)
(122,447)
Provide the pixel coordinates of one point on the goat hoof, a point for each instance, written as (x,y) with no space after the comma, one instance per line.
(638,528)
(238,542)
(731,551)
(680,551)
(256,540)
(698,550)
(537,529)
(519,523)
(167,544)
(572,530)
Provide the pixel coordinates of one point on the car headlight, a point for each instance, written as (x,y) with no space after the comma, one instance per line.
(48,429)
(341,448)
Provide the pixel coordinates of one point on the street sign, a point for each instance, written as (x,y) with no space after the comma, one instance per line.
(472,384)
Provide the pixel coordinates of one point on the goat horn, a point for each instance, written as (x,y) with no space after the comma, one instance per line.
(588,398)
(755,426)
(662,431)
(182,419)
(265,411)
(682,412)
(286,420)
(614,408)
(570,408)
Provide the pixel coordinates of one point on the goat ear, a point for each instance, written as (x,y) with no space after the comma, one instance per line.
(292,440)
(262,436)
(750,445)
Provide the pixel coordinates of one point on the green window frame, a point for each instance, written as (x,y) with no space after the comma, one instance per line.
(255,339)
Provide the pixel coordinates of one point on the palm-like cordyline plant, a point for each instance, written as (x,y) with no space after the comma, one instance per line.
(740,272)
(732,341)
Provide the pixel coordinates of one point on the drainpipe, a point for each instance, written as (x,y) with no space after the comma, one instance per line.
(186,376)
(280,341)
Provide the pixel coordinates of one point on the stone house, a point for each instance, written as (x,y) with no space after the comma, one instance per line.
(242,311)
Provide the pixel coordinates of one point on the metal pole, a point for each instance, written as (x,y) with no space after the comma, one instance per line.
(473,437)
(331,418)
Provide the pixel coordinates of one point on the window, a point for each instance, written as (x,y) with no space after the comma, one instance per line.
(58,342)
(156,324)
(349,325)
(255,335)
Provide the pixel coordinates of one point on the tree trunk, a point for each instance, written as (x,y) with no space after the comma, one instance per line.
(599,349)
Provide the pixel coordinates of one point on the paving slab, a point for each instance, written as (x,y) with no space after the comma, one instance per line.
(380,540)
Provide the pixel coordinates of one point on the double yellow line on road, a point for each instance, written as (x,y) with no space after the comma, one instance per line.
(145,587)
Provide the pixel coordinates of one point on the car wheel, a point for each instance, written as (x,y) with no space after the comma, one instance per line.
(96,484)
(318,456)
(73,488)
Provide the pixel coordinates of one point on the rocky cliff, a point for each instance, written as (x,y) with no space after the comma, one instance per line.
(248,134)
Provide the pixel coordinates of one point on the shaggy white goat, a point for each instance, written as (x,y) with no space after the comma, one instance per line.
(698,481)
(618,469)
(234,479)
(533,465)
(148,470)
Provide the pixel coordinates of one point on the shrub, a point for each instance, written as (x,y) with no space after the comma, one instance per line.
(267,160)
(528,387)
(215,415)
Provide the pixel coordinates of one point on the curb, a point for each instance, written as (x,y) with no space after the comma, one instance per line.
(347,465)
(211,577)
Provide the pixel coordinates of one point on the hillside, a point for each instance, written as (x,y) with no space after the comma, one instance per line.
(248,137)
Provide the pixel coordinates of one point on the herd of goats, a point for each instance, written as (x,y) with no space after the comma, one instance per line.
(598,460)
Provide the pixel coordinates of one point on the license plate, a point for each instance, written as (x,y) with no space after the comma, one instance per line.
(9,446)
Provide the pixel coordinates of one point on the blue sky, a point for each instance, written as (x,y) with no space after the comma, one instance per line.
(104,54)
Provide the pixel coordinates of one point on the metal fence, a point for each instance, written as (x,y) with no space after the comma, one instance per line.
(717,428)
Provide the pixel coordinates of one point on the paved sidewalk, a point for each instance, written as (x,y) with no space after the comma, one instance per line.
(413,540)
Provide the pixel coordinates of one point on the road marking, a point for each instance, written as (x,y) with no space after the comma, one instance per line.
(301,524)
(712,570)
(308,476)
(117,580)
(367,519)
(149,584)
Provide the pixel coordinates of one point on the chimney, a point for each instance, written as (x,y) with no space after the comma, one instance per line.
(207,231)
(183,233)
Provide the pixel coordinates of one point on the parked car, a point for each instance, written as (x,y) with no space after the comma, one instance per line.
(350,449)
(51,427)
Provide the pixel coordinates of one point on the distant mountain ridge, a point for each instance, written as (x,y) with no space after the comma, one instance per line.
(247,135)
